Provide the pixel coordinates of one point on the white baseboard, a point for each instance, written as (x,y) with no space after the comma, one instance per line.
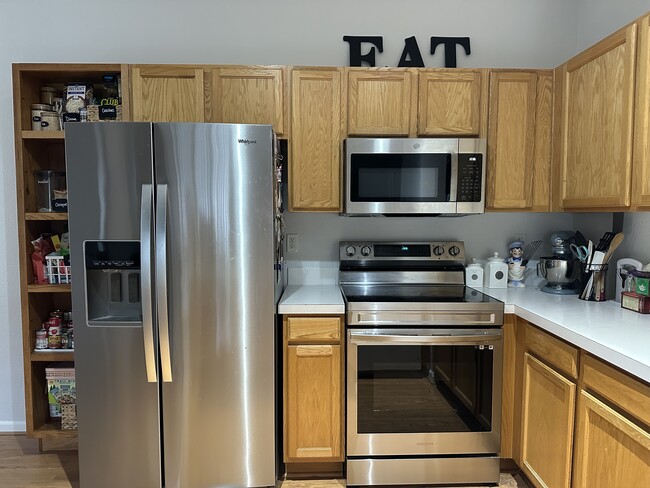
(12,426)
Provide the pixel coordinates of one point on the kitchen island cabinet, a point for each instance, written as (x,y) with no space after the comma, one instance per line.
(313,389)
(168,93)
(519,140)
(315,147)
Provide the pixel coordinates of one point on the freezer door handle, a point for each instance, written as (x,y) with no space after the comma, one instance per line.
(161,282)
(146,210)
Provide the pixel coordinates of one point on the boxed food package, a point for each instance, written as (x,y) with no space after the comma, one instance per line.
(634,301)
(61,388)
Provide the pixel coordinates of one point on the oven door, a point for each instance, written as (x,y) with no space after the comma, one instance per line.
(424,391)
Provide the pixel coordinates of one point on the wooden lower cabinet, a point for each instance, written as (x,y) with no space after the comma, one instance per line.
(547,425)
(313,390)
(611,450)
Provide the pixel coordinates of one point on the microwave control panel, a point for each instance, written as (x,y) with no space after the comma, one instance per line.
(470,177)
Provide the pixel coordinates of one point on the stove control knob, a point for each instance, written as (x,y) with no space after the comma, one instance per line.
(350,250)
(454,250)
(365,251)
(438,250)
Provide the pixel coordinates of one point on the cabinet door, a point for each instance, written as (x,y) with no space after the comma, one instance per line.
(313,395)
(596,155)
(167,94)
(511,140)
(249,95)
(381,102)
(548,411)
(611,451)
(641,180)
(315,158)
(452,102)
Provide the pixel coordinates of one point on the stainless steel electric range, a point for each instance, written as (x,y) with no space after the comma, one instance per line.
(424,366)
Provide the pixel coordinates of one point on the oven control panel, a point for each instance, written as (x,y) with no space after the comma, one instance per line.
(408,251)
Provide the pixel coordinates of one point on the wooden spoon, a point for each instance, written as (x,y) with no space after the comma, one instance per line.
(616,241)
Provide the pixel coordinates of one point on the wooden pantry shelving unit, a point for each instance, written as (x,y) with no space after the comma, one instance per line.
(36,150)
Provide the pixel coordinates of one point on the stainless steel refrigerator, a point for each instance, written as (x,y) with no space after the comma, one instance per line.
(175,255)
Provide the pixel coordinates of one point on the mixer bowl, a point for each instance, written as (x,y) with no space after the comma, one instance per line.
(558,271)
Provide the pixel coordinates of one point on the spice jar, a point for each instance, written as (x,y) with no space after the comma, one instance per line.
(50,121)
(37,108)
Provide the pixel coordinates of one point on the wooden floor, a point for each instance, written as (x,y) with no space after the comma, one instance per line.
(22,465)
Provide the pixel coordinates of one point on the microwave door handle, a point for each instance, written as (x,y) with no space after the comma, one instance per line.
(161,282)
(460,339)
(146,210)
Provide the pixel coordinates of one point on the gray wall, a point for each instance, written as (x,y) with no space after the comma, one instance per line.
(599,18)
(504,33)
(319,234)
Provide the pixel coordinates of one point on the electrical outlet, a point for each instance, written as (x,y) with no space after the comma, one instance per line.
(292,242)
(520,237)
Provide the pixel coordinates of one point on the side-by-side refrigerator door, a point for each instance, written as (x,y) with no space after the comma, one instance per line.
(215,281)
(110,201)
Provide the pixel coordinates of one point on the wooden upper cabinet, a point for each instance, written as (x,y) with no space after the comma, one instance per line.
(511,140)
(641,175)
(249,95)
(596,117)
(167,93)
(452,102)
(382,101)
(315,147)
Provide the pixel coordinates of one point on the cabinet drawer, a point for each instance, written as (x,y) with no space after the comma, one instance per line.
(314,329)
(628,393)
(552,350)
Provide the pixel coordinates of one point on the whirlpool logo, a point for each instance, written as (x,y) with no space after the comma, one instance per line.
(246,141)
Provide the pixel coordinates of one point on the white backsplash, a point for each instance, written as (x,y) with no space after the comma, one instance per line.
(312,272)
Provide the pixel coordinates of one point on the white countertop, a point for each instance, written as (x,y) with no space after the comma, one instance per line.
(311,299)
(606,330)
(618,336)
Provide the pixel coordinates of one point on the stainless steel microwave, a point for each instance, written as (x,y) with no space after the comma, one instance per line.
(390,176)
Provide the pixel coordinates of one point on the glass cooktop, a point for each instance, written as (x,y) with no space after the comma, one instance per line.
(414,293)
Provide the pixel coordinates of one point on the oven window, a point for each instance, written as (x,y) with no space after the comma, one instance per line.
(427,389)
(400,177)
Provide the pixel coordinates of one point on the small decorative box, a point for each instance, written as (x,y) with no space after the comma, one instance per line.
(634,301)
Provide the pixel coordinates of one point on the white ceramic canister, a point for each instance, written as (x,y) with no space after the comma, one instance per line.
(474,274)
(496,272)
(37,108)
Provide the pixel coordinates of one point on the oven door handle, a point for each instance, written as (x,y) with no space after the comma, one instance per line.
(454,337)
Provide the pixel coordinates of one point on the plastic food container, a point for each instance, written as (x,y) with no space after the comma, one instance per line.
(48,93)
(46,183)
(37,109)
(50,121)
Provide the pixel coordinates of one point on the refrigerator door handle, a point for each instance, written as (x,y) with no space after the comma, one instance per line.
(161,282)
(146,208)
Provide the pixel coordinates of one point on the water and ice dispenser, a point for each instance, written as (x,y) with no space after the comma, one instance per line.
(113,282)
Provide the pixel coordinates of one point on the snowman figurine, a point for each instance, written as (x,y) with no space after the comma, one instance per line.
(516,268)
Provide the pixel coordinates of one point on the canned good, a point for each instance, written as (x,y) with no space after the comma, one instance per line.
(71,334)
(54,341)
(65,340)
(41,339)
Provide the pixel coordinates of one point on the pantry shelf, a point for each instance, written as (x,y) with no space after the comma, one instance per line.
(48,288)
(53,355)
(46,216)
(52,429)
(43,135)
